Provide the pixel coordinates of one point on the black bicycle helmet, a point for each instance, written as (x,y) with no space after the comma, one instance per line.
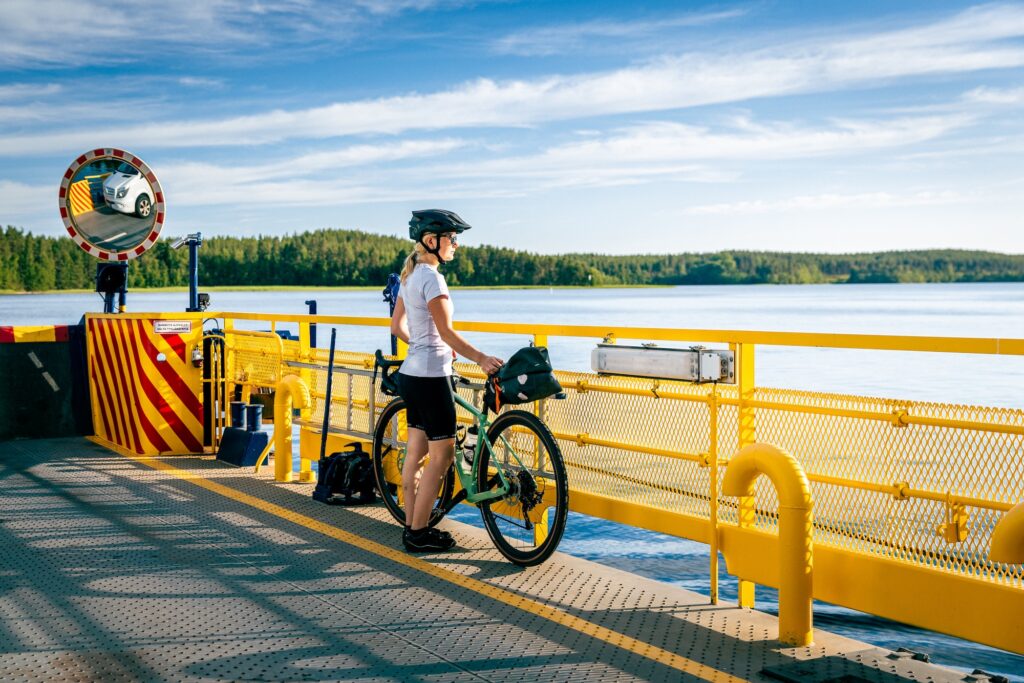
(435,221)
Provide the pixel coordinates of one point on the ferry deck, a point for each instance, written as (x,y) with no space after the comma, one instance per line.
(118,566)
(133,551)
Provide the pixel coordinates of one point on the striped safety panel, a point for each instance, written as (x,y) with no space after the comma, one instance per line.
(33,333)
(146,394)
(80,198)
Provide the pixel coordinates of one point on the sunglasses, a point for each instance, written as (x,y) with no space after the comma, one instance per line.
(452,237)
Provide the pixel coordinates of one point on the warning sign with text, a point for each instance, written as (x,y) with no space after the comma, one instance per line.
(172,326)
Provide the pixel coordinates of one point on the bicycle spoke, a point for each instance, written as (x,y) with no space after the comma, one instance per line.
(526,524)
(389,448)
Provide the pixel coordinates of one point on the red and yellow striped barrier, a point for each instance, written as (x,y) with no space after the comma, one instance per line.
(33,333)
(146,394)
(80,198)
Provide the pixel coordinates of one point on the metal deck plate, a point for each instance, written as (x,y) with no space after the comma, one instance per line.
(113,570)
(874,665)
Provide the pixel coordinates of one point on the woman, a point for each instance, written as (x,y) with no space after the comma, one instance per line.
(423,319)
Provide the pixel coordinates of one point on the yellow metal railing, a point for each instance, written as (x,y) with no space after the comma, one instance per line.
(906,494)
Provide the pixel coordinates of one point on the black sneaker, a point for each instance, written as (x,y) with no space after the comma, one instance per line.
(427,540)
(444,534)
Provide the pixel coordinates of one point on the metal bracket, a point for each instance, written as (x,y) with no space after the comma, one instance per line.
(955,528)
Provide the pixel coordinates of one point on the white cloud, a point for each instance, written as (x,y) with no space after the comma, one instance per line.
(199,82)
(969,41)
(306,166)
(20,199)
(996,96)
(24,91)
(388,7)
(52,33)
(829,201)
(652,152)
(568,38)
(660,151)
(673,152)
(749,140)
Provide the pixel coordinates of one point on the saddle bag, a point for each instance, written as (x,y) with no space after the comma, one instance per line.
(527,376)
(346,478)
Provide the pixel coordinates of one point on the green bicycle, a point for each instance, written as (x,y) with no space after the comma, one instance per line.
(517,477)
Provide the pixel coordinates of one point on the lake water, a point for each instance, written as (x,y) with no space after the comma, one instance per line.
(950,310)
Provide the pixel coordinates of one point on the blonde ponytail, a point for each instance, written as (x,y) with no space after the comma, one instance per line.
(411,260)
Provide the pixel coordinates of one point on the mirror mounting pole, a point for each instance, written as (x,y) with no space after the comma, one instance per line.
(194,241)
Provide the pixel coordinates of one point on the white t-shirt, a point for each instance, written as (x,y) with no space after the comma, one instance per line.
(428,355)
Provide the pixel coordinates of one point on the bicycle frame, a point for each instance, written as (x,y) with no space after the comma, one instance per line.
(469,479)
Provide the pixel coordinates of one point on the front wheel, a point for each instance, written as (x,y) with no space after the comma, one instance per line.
(390,439)
(143,206)
(527,524)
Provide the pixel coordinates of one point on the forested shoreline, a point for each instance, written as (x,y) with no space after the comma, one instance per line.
(354,258)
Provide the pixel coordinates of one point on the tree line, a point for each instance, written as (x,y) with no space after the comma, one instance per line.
(352,258)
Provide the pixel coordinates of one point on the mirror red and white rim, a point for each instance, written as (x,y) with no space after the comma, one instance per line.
(159,206)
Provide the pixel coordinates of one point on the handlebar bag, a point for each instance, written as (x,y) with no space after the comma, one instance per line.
(526,376)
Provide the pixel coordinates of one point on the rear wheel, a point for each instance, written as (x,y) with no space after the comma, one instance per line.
(527,524)
(389,447)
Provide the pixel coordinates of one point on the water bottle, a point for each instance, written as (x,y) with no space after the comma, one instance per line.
(469,445)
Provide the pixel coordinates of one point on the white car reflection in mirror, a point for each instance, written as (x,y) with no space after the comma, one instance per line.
(126,191)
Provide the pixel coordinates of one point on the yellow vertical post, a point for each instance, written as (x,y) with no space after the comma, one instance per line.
(713,485)
(540,529)
(229,364)
(305,374)
(746,436)
(796,543)
(290,393)
(215,395)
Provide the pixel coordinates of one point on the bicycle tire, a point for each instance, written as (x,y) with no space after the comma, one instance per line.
(503,520)
(388,456)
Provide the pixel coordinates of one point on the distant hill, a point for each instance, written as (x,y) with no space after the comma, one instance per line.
(351,257)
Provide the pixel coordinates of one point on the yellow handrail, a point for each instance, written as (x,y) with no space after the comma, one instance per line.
(906,490)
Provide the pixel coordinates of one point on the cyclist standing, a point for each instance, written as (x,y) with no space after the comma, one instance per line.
(423,319)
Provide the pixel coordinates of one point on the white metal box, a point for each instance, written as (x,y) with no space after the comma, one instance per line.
(695,364)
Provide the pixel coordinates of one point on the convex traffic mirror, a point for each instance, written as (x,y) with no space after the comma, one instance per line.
(112,204)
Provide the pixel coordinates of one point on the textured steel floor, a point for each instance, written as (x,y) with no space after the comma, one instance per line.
(113,570)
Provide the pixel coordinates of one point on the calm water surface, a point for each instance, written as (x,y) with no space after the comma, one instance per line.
(971,310)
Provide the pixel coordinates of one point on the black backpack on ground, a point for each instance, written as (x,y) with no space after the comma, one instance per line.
(346,478)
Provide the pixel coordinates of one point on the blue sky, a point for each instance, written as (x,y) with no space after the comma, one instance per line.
(550,126)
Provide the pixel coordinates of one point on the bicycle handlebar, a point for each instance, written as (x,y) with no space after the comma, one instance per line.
(387,367)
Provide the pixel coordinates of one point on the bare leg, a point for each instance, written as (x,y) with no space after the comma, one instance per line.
(415,454)
(441,455)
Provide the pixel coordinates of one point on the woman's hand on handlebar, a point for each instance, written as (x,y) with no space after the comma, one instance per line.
(490,364)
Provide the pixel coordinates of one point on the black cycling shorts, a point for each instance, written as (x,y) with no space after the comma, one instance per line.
(429,405)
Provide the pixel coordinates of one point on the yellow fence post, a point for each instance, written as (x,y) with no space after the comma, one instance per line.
(291,393)
(306,377)
(713,486)
(746,435)
(540,528)
(796,545)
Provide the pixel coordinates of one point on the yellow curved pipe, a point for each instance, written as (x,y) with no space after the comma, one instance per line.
(1008,537)
(796,549)
(291,392)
